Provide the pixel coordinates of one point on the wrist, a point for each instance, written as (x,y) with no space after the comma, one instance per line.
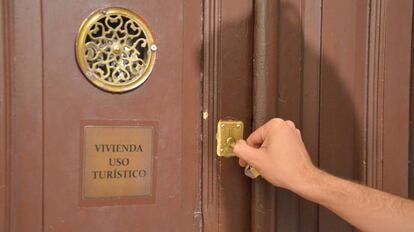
(310,183)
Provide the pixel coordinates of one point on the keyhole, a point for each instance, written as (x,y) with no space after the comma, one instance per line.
(231,142)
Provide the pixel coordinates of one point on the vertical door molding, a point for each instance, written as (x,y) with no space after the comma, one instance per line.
(211,73)
(23,114)
(6,41)
(388,83)
(263,201)
(375,89)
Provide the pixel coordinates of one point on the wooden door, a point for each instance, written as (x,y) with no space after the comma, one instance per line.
(52,116)
(341,71)
(338,69)
(46,104)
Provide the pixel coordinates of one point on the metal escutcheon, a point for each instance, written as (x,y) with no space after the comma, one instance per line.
(228,132)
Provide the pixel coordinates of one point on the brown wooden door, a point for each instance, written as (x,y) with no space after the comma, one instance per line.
(47,102)
(341,71)
(52,117)
(338,69)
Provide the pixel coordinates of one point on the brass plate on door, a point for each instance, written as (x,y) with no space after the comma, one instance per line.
(117,161)
(115,49)
(228,132)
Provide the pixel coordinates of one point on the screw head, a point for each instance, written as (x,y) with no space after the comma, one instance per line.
(154,47)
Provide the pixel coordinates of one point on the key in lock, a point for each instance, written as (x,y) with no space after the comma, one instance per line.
(228,132)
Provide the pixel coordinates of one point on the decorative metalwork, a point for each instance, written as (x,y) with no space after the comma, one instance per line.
(115,49)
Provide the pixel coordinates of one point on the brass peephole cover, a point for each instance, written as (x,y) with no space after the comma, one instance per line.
(115,49)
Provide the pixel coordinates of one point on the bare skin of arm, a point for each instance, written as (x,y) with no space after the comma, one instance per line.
(277,151)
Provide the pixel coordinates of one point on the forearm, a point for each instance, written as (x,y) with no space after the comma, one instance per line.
(365,208)
(276,149)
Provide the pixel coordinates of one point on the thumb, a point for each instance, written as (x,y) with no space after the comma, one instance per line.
(247,153)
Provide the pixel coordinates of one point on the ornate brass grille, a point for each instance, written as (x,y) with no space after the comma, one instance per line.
(115,49)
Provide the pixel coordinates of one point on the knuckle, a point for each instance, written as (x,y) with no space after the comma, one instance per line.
(290,122)
(276,122)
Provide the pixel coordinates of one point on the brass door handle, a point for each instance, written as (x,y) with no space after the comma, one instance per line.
(228,132)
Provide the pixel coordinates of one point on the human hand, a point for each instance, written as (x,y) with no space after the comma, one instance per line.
(277,151)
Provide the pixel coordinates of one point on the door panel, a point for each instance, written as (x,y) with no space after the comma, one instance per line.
(342,96)
(51,98)
(69,98)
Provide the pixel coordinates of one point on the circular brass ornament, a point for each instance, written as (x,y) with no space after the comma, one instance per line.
(115,49)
